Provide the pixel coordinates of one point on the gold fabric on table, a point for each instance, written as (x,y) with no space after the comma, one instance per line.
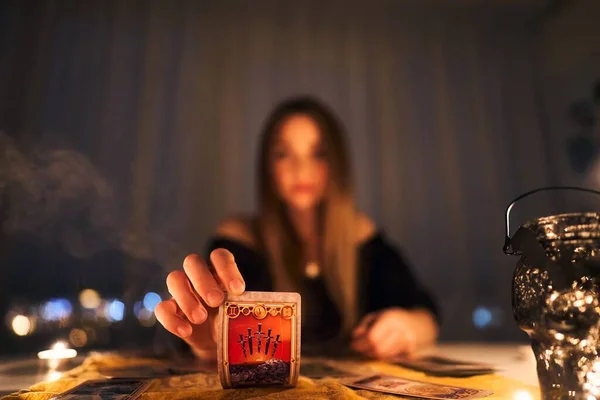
(207,386)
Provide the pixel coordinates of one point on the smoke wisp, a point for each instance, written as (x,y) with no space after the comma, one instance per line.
(59,196)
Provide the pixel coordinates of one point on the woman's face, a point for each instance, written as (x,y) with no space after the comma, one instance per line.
(300,168)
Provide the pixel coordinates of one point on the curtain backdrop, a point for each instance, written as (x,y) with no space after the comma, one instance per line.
(167,98)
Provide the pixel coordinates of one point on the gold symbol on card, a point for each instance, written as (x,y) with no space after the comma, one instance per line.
(260,311)
(287,312)
(233,311)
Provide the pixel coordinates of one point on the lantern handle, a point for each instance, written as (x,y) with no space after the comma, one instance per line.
(507,247)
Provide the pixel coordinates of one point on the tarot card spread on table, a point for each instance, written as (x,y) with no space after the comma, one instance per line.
(259,340)
(109,389)
(406,387)
(442,366)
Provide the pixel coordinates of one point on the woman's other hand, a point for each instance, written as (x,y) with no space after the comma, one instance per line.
(394,331)
(197,292)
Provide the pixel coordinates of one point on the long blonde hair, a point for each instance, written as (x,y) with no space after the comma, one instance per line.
(337,214)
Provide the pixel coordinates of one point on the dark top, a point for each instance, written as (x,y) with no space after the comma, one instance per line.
(384,280)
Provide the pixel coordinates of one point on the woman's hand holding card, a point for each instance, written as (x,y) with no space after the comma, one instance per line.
(197,293)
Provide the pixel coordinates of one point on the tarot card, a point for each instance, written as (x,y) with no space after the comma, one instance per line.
(407,387)
(259,339)
(107,389)
(441,366)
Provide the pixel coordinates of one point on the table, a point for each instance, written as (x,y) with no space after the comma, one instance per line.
(516,380)
(515,361)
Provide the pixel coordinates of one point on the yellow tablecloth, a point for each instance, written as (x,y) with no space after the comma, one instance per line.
(207,386)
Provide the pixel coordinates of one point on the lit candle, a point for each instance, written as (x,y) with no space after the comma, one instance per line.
(57,353)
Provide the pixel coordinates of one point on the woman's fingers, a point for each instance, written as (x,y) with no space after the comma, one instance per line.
(390,346)
(198,282)
(181,290)
(362,346)
(227,270)
(166,314)
(364,325)
(371,332)
(193,289)
(203,281)
(381,328)
(360,342)
(380,338)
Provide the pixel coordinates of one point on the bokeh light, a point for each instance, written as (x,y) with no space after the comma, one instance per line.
(115,310)
(56,310)
(482,317)
(89,298)
(137,307)
(21,325)
(147,318)
(151,299)
(78,337)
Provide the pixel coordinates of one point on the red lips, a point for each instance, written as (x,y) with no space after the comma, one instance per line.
(303,188)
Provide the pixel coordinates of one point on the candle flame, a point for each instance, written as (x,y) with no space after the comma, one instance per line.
(59,346)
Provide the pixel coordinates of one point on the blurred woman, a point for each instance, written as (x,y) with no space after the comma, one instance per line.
(307,237)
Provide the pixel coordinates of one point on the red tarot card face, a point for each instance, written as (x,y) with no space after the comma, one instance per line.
(259,335)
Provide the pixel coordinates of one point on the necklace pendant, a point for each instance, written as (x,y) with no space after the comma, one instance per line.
(312,270)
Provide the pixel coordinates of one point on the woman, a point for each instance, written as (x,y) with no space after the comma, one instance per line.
(308,237)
